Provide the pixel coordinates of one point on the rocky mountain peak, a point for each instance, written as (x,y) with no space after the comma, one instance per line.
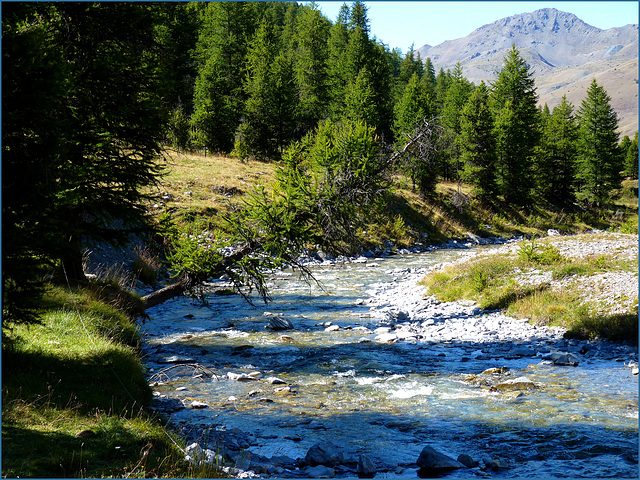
(564,53)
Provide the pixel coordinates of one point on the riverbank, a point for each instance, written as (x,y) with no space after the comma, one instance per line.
(75,393)
(587,284)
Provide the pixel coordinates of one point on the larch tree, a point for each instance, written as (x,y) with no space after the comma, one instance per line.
(599,162)
(513,98)
(456,97)
(631,158)
(558,154)
(311,68)
(477,144)
(269,110)
(220,53)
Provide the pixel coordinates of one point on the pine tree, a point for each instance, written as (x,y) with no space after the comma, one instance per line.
(599,161)
(477,144)
(513,96)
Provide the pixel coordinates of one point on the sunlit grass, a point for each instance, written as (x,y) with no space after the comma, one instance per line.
(74,394)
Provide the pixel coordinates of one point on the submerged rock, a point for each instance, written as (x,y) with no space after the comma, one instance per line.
(561,358)
(466,460)
(324,454)
(520,383)
(320,471)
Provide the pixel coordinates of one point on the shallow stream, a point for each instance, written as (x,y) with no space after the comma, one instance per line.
(344,382)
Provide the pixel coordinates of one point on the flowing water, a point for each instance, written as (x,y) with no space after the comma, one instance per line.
(388,400)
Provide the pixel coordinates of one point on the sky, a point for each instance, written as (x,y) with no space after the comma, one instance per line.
(400,24)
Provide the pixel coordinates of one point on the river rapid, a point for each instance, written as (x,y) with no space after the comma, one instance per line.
(374,367)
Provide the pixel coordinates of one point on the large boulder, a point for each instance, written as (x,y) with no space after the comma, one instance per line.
(279,323)
(432,462)
(324,454)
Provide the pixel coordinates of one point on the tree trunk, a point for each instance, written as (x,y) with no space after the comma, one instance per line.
(186,282)
(170,291)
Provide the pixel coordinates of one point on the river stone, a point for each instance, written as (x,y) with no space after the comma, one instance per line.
(466,460)
(520,383)
(560,358)
(324,454)
(495,371)
(432,461)
(366,468)
(522,351)
(240,377)
(387,338)
(275,381)
(279,323)
(198,405)
(320,471)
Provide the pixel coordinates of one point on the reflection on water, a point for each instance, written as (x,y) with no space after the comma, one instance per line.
(386,400)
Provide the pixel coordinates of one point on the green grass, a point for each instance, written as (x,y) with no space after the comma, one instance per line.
(79,371)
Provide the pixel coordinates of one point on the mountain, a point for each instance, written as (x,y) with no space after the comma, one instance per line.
(565,55)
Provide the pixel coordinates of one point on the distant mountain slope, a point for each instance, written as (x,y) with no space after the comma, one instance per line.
(564,52)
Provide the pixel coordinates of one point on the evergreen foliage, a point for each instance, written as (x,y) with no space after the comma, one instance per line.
(631,158)
(477,144)
(556,163)
(514,99)
(86,117)
(599,159)
(91,90)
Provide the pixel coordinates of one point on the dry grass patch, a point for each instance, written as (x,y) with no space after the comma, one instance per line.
(198,183)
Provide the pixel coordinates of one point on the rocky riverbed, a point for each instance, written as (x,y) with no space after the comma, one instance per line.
(389,382)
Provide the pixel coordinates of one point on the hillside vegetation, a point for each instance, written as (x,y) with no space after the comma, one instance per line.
(211,186)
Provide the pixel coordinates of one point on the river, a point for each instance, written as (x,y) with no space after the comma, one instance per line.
(373,368)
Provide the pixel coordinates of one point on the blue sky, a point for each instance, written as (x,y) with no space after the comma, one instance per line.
(400,24)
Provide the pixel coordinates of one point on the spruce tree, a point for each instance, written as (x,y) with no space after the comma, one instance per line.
(599,160)
(513,97)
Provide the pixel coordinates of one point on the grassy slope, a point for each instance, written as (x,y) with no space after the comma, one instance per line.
(73,397)
(208,186)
